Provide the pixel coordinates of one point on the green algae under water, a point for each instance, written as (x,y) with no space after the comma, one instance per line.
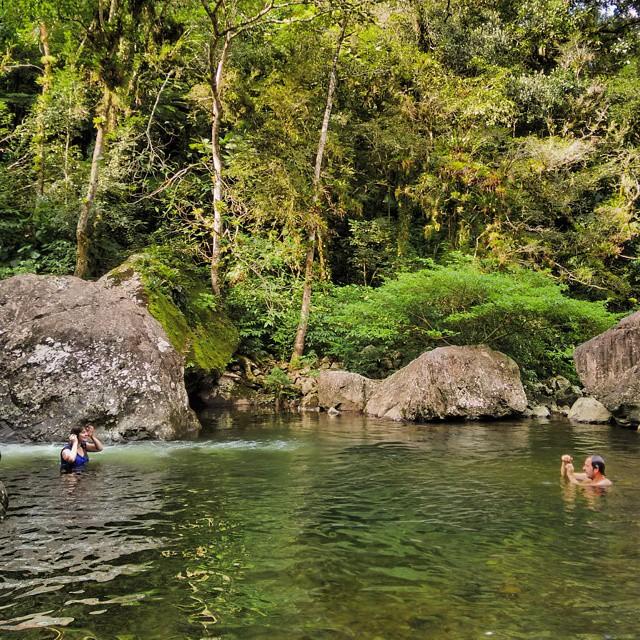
(312,527)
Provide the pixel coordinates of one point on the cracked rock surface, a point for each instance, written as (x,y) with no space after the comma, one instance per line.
(447,383)
(609,368)
(73,351)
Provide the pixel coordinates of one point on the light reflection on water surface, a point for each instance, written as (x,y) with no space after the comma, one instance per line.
(312,527)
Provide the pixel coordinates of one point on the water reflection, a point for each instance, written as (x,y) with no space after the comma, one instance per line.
(305,527)
(66,531)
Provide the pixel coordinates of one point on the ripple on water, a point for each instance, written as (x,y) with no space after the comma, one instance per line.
(66,531)
(310,528)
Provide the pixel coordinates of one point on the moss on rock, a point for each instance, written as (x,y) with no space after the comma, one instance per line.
(178,297)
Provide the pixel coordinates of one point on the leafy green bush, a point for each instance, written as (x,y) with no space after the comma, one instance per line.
(264,295)
(522,313)
(278,383)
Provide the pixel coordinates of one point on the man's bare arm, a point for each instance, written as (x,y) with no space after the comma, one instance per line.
(566,471)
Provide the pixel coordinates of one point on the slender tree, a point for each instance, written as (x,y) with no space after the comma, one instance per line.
(229,19)
(113,37)
(301,333)
(86,219)
(47,79)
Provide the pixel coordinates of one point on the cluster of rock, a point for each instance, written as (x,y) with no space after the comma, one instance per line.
(609,368)
(73,352)
(244,386)
(448,383)
(557,396)
(466,382)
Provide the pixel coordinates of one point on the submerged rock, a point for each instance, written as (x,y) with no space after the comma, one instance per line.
(537,411)
(609,368)
(446,383)
(73,351)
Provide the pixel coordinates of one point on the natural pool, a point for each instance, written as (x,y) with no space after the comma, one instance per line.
(311,527)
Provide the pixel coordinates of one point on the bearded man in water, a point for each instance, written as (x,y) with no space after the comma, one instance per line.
(593,472)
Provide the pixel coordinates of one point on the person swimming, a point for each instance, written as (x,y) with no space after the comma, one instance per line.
(75,454)
(592,475)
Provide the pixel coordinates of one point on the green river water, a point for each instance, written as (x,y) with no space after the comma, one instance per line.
(313,527)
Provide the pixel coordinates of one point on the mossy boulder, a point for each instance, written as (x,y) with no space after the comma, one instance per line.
(74,351)
(177,295)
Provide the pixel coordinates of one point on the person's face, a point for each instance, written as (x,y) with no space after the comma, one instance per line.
(83,434)
(588,468)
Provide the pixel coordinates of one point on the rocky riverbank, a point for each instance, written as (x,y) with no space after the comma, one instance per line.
(73,351)
(246,386)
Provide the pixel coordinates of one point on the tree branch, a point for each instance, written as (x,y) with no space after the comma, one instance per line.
(13,67)
(168,182)
(153,110)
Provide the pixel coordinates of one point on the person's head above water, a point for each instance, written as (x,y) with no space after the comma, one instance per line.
(593,471)
(597,463)
(593,466)
(79,432)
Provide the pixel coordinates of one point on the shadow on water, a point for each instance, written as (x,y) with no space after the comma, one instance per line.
(311,527)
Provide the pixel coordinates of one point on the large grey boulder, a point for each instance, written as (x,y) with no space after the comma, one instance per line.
(73,351)
(446,383)
(4,499)
(609,368)
(345,391)
(451,383)
(589,410)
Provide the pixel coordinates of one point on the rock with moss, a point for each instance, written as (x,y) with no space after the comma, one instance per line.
(73,352)
(178,296)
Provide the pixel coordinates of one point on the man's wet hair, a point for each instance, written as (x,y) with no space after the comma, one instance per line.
(597,462)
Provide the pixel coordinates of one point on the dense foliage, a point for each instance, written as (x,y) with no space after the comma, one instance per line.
(522,313)
(506,132)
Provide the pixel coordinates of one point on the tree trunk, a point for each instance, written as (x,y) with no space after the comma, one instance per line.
(305,308)
(41,160)
(216,80)
(85,228)
(86,220)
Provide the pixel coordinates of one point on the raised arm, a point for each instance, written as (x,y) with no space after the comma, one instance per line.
(567,472)
(69,455)
(93,444)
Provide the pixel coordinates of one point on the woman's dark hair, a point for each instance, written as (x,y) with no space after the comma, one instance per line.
(76,430)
